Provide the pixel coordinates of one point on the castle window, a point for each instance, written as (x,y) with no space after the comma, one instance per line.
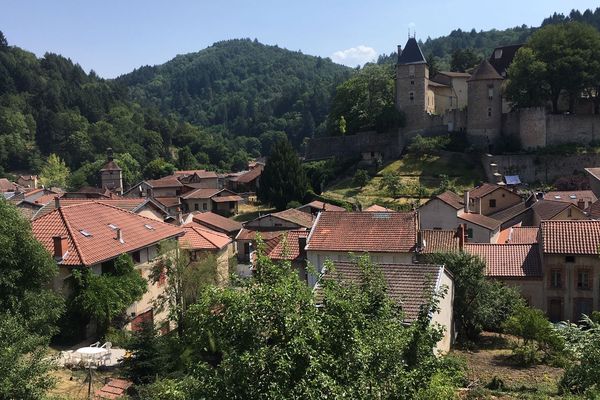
(411,70)
(489,111)
(412,82)
(411,95)
(498,53)
(490,92)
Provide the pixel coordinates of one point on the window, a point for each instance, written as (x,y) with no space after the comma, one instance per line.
(583,280)
(411,70)
(470,233)
(490,92)
(498,53)
(492,203)
(489,111)
(582,306)
(204,206)
(412,82)
(411,95)
(196,206)
(569,259)
(555,279)
(136,257)
(555,309)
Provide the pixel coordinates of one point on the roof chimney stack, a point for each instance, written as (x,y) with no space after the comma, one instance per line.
(466,200)
(462,236)
(119,235)
(109,154)
(581,204)
(57,202)
(60,247)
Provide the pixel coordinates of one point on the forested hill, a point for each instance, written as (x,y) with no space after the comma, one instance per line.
(243,85)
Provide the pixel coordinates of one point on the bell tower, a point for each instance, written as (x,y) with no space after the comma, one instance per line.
(111,175)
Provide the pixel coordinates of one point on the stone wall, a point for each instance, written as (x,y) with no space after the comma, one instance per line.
(539,168)
(572,128)
(533,127)
(390,145)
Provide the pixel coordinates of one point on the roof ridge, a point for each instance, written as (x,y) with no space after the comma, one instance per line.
(129,212)
(70,233)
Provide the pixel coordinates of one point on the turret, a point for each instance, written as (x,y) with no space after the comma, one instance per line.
(111,175)
(412,80)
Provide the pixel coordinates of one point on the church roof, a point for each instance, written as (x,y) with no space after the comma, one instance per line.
(111,165)
(485,72)
(412,53)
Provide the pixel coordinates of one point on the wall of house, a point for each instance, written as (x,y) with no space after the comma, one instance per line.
(151,213)
(569,293)
(504,199)
(197,204)
(461,92)
(272,223)
(481,234)
(532,290)
(317,259)
(532,127)
(445,316)
(436,214)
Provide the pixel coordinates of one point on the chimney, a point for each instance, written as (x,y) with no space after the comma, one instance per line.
(119,235)
(399,50)
(57,202)
(60,246)
(581,204)
(462,236)
(466,200)
(179,216)
(109,154)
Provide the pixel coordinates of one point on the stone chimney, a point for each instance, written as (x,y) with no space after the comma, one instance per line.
(462,236)
(466,200)
(57,202)
(60,246)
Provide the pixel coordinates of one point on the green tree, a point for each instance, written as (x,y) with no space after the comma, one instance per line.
(527,86)
(361,178)
(464,59)
(184,277)
(479,303)
(105,297)
(283,179)
(392,183)
(158,168)
(54,173)
(3,41)
(186,159)
(584,343)
(29,310)
(268,340)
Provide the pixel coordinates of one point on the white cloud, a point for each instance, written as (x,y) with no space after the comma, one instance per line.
(355,55)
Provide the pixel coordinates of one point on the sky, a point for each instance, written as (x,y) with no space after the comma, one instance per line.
(113,37)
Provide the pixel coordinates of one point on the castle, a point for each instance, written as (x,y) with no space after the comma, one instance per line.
(474,103)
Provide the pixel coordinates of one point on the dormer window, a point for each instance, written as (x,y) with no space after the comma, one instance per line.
(498,54)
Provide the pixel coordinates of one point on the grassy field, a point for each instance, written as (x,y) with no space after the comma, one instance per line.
(419,175)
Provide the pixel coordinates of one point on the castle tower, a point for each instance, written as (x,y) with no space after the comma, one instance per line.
(412,81)
(111,175)
(484,107)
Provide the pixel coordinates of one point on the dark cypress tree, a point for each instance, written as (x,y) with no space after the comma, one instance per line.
(283,179)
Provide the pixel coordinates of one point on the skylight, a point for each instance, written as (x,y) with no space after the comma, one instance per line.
(85,233)
(149,227)
(572,196)
(557,197)
(113,226)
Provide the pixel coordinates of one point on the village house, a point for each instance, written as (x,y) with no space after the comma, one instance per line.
(214,222)
(545,210)
(198,178)
(28,181)
(388,237)
(480,229)
(247,181)
(316,206)
(580,198)
(290,246)
(7,186)
(201,242)
(488,199)
(92,235)
(441,211)
(377,208)
(111,175)
(220,201)
(411,286)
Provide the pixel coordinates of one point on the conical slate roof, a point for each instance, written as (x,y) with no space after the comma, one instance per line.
(411,54)
(485,72)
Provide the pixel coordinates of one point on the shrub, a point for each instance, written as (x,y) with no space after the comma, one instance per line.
(526,354)
(421,146)
(391,182)
(293,204)
(361,178)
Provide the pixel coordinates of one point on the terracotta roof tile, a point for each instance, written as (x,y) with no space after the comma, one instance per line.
(202,173)
(288,247)
(248,234)
(481,220)
(111,166)
(94,218)
(508,260)
(216,221)
(523,235)
(547,209)
(323,206)
(166,182)
(510,212)
(377,208)
(407,284)
(594,210)
(249,176)
(437,241)
(225,199)
(391,232)
(6,185)
(168,201)
(570,237)
(198,237)
(201,194)
(129,204)
(572,197)
(452,199)
(296,216)
(482,190)
(486,72)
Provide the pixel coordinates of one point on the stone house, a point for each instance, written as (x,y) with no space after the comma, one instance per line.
(290,246)
(487,199)
(246,182)
(388,238)
(198,178)
(441,211)
(200,242)
(479,228)
(92,235)
(410,285)
(316,206)
(544,210)
(581,198)
(28,181)
(215,222)
(220,201)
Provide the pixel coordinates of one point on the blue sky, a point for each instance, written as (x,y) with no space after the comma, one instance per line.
(115,36)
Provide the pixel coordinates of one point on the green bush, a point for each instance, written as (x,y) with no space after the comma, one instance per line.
(421,146)
(361,178)
(118,337)
(526,354)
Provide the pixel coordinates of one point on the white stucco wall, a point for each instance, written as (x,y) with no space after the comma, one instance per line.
(436,214)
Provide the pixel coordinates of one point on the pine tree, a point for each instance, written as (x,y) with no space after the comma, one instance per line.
(283,179)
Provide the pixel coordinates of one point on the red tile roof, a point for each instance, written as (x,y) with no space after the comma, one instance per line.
(168,201)
(287,247)
(201,194)
(198,237)
(570,237)
(249,176)
(225,199)
(452,199)
(216,221)
(572,197)
(481,220)
(548,209)
(296,217)
(482,190)
(594,210)
(408,284)
(437,241)
(166,182)
(129,204)
(248,234)
(377,208)
(390,232)
(508,260)
(322,206)
(523,235)
(93,218)
(111,166)
(202,173)
(6,185)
